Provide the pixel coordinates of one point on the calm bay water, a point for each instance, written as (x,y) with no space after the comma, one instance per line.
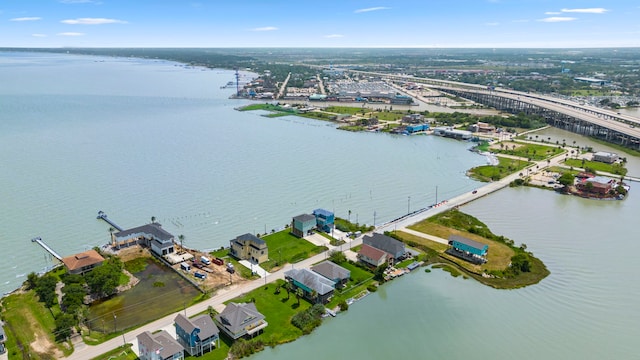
(139,138)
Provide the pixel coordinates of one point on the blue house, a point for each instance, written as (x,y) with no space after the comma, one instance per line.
(415,128)
(197,335)
(324,219)
(468,249)
(302,225)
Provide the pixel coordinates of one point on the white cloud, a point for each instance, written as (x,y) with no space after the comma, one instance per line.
(334,36)
(371,9)
(492,24)
(70,34)
(554,19)
(33,18)
(586,10)
(92,21)
(39,35)
(553,13)
(266,28)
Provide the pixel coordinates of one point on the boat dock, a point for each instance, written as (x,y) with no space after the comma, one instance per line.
(103,216)
(46,247)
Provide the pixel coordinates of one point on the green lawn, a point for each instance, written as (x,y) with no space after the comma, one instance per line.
(358,275)
(28,321)
(346,110)
(505,167)
(285,248)
(615,168)
(277,311)
(526,150)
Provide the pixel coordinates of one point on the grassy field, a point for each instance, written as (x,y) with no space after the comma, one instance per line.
(615,168)
(345,110)
(30,326)
(285,248)
(278,311)
(526,150)
(505,167)
(499,255)
(617,147)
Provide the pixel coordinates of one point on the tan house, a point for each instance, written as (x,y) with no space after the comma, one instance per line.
(83,262)
(249,247)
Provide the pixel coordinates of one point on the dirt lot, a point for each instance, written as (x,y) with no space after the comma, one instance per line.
(217,275)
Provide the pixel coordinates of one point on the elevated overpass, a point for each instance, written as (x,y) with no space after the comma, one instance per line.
(561,113)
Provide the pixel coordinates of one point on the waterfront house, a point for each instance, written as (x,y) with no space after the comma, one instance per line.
(240,320)
(468,249)
(324,219)
(605,157)
(333,272)
(153,235)
(316,288)
(3,338)
(159,346)
(372,256)
(197,335)
(83,262)
(391,246)
(249,247)
(599,185)
(303,225)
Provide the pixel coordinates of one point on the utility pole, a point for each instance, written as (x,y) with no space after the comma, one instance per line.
(409,205)
(115,324)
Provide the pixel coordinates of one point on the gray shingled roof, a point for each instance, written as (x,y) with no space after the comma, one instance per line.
(384,243)
(312,280)
(304,218)
(153,229)
(467,241)
(250,237)
(236,316)
(161,341)
(331,270)
(207,327)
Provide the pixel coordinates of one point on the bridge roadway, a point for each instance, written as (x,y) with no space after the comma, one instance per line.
(625,125)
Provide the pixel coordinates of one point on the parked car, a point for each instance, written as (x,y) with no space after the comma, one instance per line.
(218,261)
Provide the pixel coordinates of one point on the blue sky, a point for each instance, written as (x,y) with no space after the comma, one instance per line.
(319,23)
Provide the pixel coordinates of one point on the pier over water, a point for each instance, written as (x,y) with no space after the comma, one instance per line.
(46,247)
(103,216)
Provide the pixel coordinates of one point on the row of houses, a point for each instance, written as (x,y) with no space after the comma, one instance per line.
(252,248)
(201,334)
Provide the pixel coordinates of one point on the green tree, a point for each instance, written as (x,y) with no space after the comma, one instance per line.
(181,239)
(299,294)
(378,273)
(32,280)
(566,179)
(64,324)
(46,290)
(337,257)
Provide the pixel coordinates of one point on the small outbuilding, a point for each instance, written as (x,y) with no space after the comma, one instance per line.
(605,157)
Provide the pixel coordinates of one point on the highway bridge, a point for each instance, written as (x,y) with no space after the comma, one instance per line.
(561,113)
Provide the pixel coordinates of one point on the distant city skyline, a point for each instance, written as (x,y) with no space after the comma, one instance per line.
(330,23)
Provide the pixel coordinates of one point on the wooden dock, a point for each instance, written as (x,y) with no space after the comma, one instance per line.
(39,241)
(103,216)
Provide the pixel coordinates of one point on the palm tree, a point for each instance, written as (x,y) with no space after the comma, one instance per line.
(111,231)
(349,218)
(299,294)
(314,296)
(181,239)
(153,219)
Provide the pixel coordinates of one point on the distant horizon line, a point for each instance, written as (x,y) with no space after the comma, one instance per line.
(319,47)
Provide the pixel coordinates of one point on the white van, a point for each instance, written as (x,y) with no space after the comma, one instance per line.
(186,267)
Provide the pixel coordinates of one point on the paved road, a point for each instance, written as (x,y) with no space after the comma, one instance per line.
(86,352)
(83,352)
